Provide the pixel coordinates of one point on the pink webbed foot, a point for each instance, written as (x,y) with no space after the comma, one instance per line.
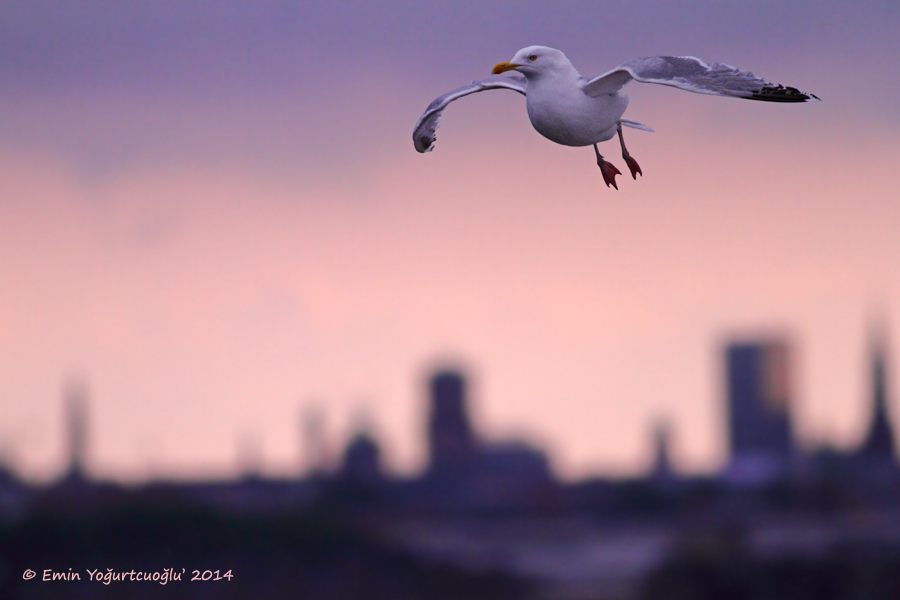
(607,168)
(609,171)
(633,166)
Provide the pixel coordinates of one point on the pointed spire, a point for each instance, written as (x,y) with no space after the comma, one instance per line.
(316,456)
(880,440)
(75,400)
(662,440)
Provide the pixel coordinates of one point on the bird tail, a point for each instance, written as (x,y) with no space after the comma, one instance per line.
(635,125)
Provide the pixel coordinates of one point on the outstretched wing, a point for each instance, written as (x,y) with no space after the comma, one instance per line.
(423,134)
(694,75)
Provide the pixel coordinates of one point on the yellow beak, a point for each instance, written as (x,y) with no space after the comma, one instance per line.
(503,67)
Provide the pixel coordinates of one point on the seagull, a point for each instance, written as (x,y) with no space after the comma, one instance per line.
(571,110)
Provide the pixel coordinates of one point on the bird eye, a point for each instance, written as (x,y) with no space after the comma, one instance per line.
(533,57)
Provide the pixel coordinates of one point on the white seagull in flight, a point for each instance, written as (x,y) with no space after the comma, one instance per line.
(568,109)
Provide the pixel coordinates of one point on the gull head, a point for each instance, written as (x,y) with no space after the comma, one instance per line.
(535,60)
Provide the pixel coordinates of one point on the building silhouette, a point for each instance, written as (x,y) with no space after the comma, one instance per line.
(879,443)
(758,400)
(451,441)
(75,400)
(662,469)
(315,457)
(362,459)
(469,473)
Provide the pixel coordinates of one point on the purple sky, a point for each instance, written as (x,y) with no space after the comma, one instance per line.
(213,212)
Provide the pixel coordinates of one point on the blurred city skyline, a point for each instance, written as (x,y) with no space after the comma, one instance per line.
(759,421)
(213,213)
(778,516)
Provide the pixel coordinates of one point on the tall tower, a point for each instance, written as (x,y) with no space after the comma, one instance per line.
(75,399)
(880,442)
(662,461)
(315,447)
(758,388)
(450,438)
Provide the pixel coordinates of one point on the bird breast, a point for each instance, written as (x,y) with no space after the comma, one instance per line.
(566,115)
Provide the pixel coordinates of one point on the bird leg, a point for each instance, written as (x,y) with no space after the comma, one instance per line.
(608,169)
(632,164)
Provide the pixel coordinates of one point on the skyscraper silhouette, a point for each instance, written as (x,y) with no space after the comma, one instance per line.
(450,439)
(758,388)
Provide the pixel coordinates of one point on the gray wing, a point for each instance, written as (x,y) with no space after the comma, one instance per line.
(423,134)
(694,75)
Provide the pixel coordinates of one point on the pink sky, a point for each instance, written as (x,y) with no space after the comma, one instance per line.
(212,260)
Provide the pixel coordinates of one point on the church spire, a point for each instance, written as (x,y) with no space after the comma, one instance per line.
(75,397)
(879,442)
(662,441)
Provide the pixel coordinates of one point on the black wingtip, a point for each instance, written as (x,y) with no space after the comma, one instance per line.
(781,93)
(423,143)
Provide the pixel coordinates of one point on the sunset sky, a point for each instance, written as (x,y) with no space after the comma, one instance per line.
(212,213)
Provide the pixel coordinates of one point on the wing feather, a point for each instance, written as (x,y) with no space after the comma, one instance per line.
(424,131)
(692,74)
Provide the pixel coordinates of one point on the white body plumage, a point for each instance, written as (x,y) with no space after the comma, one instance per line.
(558,106)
